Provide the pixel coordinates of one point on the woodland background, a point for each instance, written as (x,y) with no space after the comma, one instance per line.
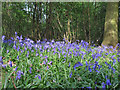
(56,20)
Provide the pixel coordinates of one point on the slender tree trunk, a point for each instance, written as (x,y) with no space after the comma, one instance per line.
(111,25)
(89,25)
(37,21)
(84,23)
(48,20)
(40,17)
(34,15)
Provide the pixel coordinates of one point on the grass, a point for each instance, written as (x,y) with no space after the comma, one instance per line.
(58,65)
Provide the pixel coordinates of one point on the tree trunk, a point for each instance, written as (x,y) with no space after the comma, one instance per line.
(111,25)
(48,20)
(84,22)
(89,25)
(34,15)
(40,17)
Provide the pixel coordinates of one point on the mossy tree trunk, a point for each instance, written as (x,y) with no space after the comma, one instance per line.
(111,25)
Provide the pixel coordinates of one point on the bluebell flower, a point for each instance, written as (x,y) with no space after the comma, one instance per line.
(44,62)
(114,61)
(18,37)
(97,71)
(86,63)
(27,53)
(30,69)
(4,66)
(35,76)
(15,33)
(89,69)
(21,51)
(17,57)
(94,67)
(106,63)
(10,63)
(32,50)
(109,66)
(118,59)
(106,53)
(70,74)
(46,56)
(47,67)
(99,66)
(108,82)
(19,73)
(58,55)
(12,38)
(21,37)
(88,87)
(14,46)
(69,64)
(39,77)
(0,58)
(77,65)
(103,85)
(7,51)
(95,82)
(106,77)
(113,70)
(16,68)
(3,37)
(50,63)
(37,54)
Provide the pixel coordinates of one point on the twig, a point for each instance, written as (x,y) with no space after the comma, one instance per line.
(13,83)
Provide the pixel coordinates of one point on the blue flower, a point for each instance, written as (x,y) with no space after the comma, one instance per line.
(37,54)
(14,46)
(77,65)
(17,57)
(16,68)
(70,74)
(10,63)
(86,63)
(50,63)
(69,64)
(39,77)
(19,73)
(3,37)
(15,33)
(99,66)
(18,48)
(47,67)
(35,76)
(4,66)
(114,61)
(106,63)
(44,62)
(0,58)
(30,69)
(103,85)
(7,51)
(108,82)
(89,69)
(12,38)
(113,70)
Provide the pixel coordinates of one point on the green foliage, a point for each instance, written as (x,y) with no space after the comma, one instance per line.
(23,18)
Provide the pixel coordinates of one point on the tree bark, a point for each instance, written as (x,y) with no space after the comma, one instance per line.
(111,25)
